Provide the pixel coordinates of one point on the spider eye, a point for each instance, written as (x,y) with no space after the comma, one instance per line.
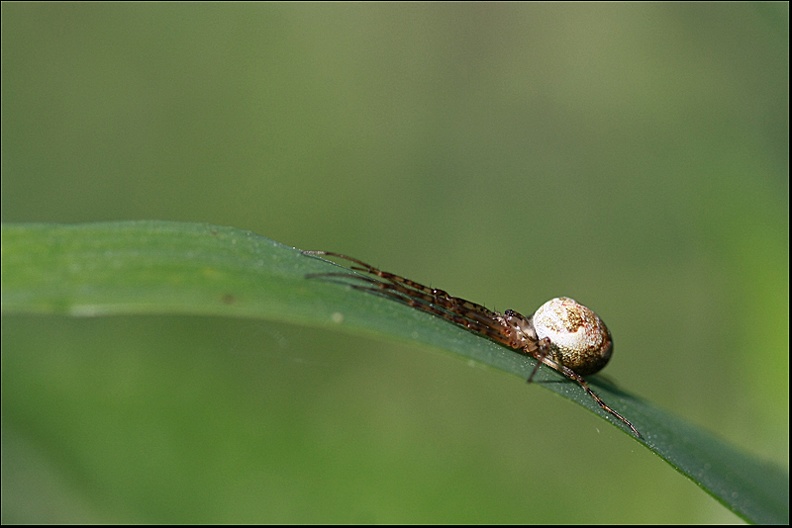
(580,338)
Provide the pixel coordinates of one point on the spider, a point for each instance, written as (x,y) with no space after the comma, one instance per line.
(562,334)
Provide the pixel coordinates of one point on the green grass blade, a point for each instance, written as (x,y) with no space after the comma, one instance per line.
(165,267)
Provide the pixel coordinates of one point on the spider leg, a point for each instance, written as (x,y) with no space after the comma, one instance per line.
(461,312)
(424,303)
(434,295)
(543,357)
(541,352)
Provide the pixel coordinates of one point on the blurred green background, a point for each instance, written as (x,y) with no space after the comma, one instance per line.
(632,156)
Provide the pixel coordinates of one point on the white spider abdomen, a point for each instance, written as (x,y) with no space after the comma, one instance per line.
(580,339)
